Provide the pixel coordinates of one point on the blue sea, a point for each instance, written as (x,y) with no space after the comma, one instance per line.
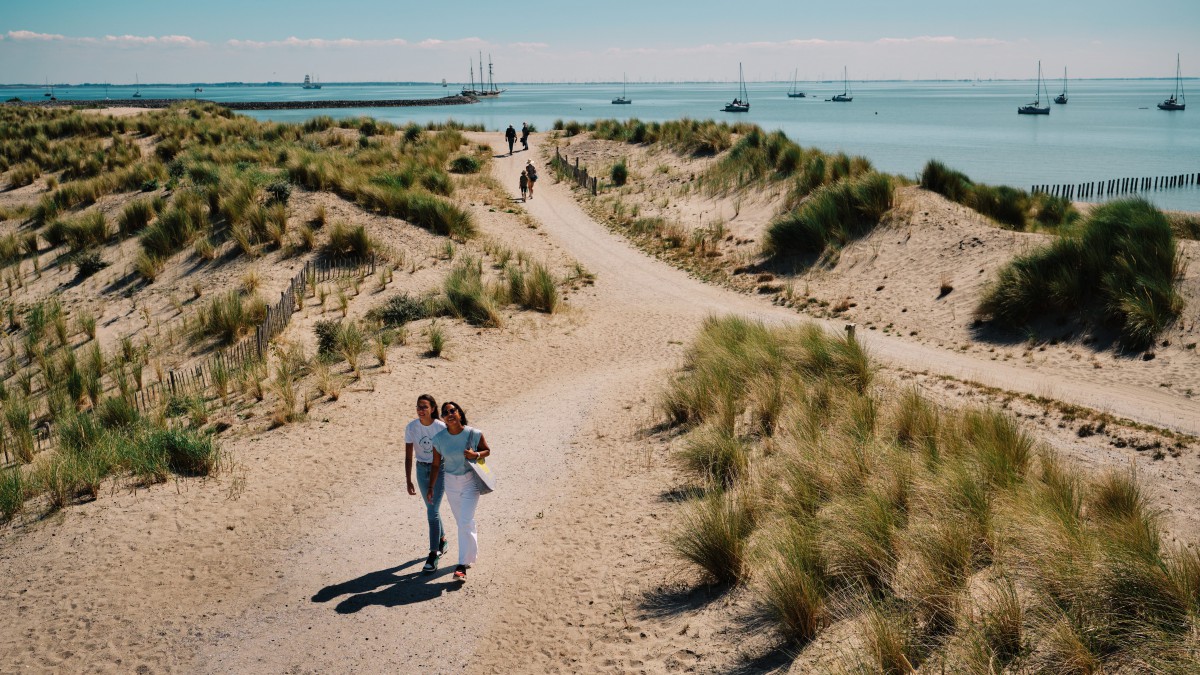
(1109,129)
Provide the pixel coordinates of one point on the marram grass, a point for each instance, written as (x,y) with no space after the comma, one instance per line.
(943,538)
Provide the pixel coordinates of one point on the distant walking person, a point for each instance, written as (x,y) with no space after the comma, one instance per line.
(525,135)
(511,137)
(453,447)
(418,441)
(532,174)
(524,182)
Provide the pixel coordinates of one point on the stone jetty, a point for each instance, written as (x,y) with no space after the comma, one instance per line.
(253,105)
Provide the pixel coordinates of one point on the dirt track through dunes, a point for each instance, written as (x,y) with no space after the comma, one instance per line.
(313,564)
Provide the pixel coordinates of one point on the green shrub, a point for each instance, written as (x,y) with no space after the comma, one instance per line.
(832,216)
(184,451)
(1121,264)
(464,164)
(399,310)
(279,192)
(619,173)
(327,331)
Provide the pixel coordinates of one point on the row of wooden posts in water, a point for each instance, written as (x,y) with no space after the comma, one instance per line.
(1117,186)
(192,380)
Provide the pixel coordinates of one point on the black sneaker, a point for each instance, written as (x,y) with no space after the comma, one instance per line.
(442,546)
(460,573)
(431,563)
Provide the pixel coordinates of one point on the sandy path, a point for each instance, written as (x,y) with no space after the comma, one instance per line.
(340,589)
(316,567)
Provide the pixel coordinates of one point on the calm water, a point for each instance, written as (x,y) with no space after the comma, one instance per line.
(1110,129)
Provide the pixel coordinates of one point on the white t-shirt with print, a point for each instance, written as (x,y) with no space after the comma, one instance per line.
(420,436)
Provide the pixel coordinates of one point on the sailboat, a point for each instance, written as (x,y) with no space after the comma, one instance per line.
(1036,108)
(1176,102)
(846,96)
(444,82)
(795,93)
(310,83)
(621,100)
(742,102)
(49,89)
(490,91)
(137,87)
(1062,98)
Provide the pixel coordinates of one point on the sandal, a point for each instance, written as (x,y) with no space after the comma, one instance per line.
(460,573)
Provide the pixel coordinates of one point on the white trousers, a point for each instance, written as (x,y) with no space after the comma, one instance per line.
(463,494)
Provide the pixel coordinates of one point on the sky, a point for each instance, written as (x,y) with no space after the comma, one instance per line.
(74,41)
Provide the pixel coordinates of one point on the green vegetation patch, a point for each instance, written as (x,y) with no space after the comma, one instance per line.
(943,539)
(1121,263)
(832,216)
(1011,207)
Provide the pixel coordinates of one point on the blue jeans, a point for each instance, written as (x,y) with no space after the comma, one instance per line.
(436,534)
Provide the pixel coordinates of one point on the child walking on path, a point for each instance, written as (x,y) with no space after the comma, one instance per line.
(418,444)
(453,447)
(524,183)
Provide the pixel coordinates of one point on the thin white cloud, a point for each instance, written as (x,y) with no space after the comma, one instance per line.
(940,39)
(169,40)
(118,40)
(316,43)
(529,46)
(30,35)
(435,43)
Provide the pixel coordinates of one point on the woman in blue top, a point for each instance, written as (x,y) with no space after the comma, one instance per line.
(452,447)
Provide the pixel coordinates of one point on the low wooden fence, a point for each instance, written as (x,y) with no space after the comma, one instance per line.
(202,377)
(577,173)
(1117,186)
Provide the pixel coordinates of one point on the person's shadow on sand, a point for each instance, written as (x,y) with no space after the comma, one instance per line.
(388,588)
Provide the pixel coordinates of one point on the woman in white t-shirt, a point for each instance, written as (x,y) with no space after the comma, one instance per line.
(418,441)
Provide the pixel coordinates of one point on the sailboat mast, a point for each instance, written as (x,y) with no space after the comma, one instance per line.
(491,82)
(1178,73)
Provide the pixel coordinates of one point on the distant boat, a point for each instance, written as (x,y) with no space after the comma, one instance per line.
(1177,101)
(137,86)
(444,82)
(795,93)
(846,96)
(742,102)
(198,90)
(49,90)
(621,100)
(310,83)
(1036,108)
(490,91)
(1062,98)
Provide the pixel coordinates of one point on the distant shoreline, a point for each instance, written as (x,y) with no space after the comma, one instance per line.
(158,103)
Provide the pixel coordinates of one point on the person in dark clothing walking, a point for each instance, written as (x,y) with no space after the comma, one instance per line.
(524,184)
(511,137)
(525,135)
